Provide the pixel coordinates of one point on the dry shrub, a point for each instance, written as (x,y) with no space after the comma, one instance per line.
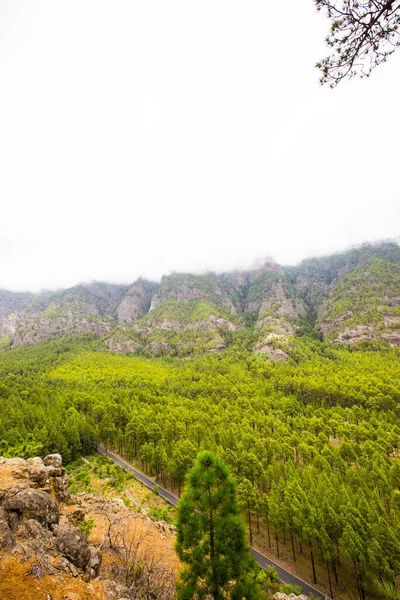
(137,562)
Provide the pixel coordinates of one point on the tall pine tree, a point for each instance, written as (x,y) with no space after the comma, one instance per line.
(210,537)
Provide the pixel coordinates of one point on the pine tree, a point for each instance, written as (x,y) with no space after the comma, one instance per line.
(248,501)
(210,537)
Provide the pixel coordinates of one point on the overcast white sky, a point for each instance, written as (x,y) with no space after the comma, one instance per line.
(142,137)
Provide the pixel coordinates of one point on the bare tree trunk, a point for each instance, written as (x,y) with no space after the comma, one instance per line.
(329,579)
(335,572)
(293,552)
(250,530)
(312,562)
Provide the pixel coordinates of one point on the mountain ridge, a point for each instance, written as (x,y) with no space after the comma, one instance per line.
(344,298)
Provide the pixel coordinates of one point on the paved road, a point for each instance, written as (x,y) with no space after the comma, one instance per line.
(284,575)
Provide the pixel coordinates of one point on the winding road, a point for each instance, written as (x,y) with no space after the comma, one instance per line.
(284,575)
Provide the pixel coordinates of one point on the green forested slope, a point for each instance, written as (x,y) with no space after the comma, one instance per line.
(314,442)
(177,328)
(314,277)
(365,304)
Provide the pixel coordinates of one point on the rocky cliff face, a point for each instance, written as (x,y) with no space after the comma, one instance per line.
(364,306)
(279,309)
(29,319)
(354,296)
(51,323)
(187,314)
(350,297)
(137,301)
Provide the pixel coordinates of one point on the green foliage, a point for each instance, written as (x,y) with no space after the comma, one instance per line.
(267,581)
(268,576)
(210,537)
(362,36)
(287,589)
(86,527)
(185,312)
(79,476)
(5,342)
(160,514)
(210,286)
(387,590)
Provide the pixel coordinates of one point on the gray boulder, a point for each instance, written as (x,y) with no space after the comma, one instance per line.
(95,561)
(37,471)
(59,485)
(74,546)
(53,460)
(54,471)
(34,504)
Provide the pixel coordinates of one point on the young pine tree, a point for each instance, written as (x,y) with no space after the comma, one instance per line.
(210,537)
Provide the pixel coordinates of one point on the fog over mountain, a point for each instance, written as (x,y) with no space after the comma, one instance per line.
(141,138)
(345,298)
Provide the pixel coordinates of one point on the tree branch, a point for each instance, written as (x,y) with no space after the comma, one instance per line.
(360,35)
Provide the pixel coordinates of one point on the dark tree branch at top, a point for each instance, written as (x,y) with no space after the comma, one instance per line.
(362,36)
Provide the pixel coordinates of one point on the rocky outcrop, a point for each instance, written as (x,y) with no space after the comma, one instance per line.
(30,525)
(52,460)
(33,504)
(358,333)
(72,544)
(117,342)
(271,292)
(19,475)
(32,489)
(280,309)
(282,303)
(275,354)
(32,329)
(37,471)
